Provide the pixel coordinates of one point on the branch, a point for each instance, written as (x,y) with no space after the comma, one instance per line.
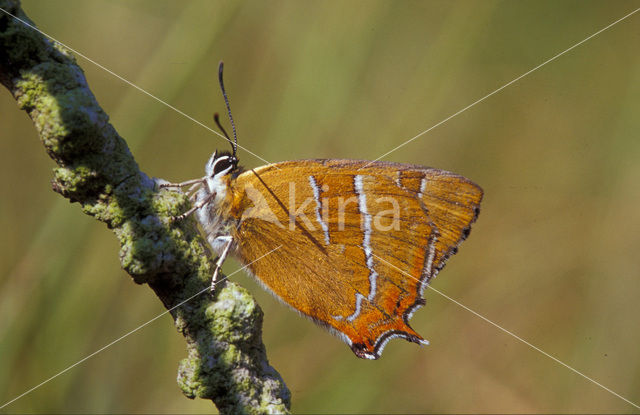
(226,360)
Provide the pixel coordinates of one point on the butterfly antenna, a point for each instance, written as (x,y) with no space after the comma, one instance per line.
(216,118)
(234,144)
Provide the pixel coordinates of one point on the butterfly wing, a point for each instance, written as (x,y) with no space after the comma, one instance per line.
(355,242)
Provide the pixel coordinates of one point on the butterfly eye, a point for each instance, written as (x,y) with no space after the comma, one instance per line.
(224,163)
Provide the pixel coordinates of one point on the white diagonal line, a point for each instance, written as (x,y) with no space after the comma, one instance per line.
(501,88)
(515,336)
(130,332)
(129,83)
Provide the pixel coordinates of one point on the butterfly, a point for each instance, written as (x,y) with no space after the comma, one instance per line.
(350,244)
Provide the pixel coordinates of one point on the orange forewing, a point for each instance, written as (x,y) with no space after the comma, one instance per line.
(350,258)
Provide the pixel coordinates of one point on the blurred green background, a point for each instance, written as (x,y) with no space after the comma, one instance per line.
(554,256)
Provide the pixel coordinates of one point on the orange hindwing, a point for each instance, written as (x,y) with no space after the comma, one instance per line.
(358,240)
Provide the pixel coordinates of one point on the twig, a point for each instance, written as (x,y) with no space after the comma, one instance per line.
(226,360)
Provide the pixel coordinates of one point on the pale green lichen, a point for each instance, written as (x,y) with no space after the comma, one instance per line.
(226,359)
(70,178)
(107,211)
(66,52)
(32,89)
(188,382)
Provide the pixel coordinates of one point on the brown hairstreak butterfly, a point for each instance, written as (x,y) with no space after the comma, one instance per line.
(352,244)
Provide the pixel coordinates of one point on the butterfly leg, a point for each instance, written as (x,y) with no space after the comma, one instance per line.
(193,190)
(183,184)
(196,207)
(221,258)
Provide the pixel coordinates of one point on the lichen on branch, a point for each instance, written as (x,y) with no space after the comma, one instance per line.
(226,359)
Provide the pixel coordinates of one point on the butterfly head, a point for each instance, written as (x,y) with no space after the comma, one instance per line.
(220,164)
(219,169)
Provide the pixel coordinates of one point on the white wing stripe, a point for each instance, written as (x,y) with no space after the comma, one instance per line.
(316,195)
(366,240)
